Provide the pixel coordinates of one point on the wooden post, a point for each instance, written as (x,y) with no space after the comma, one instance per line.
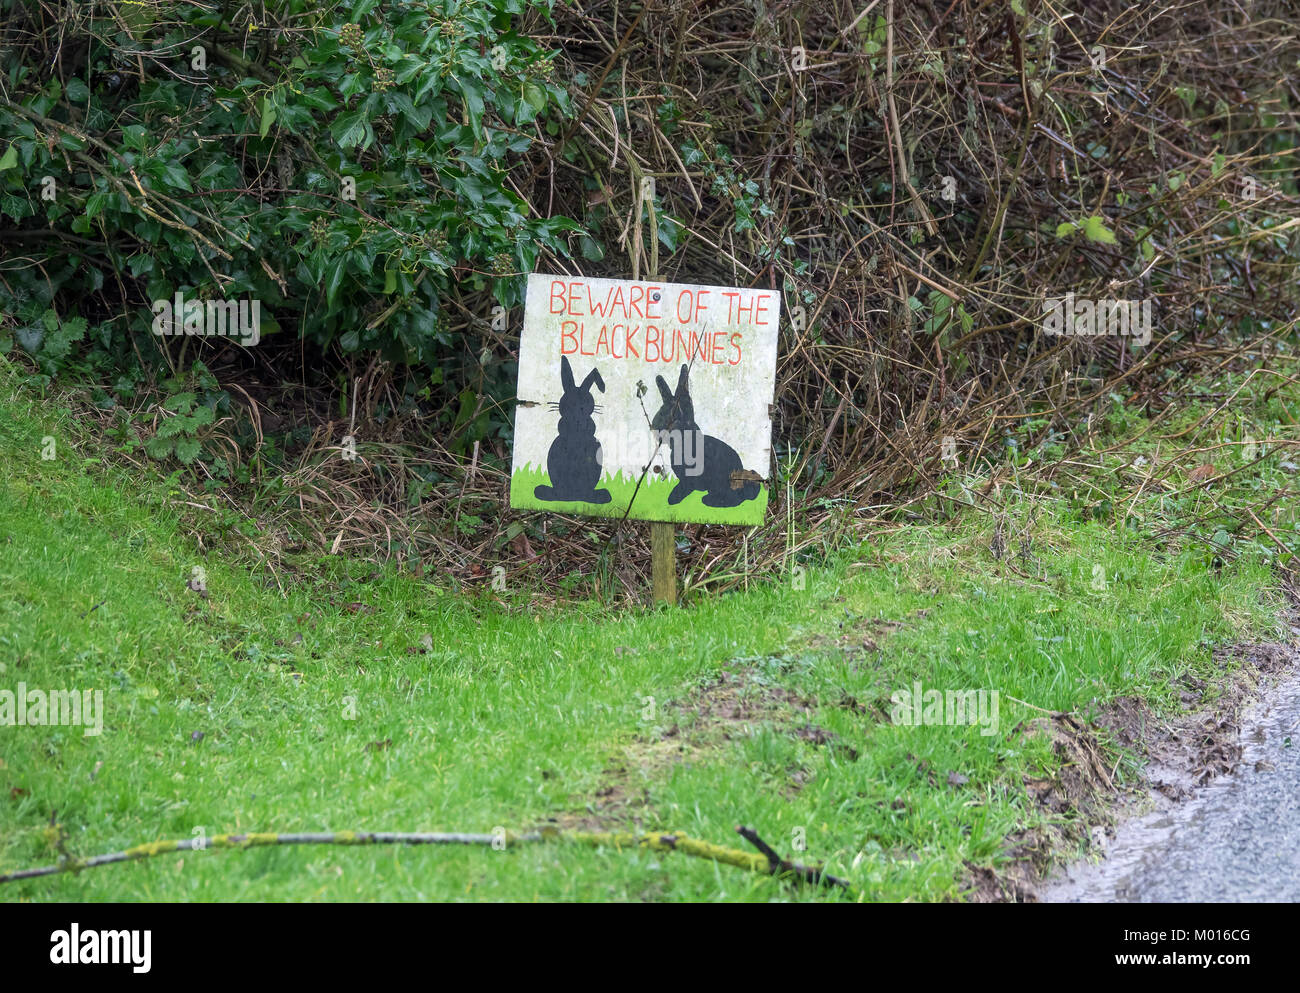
(663,546)
(663,562)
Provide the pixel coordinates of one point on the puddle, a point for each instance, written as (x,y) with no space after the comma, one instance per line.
(1237,838)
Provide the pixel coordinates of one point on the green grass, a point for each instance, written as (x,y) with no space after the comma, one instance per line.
(220,717)
(651,500)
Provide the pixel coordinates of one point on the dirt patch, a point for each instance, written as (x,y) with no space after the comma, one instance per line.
(618,800)
(1083,776)
(730,705)
(857,636)
(1075,796)
(734,702)
(820,736)
(1179,753)
(1188,751)
(1014,884)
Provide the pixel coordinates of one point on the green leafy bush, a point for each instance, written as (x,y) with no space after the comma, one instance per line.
(343,164)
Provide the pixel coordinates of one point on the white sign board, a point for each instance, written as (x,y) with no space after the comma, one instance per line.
(616,376)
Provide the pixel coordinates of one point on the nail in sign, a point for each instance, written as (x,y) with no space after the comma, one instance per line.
(616,375)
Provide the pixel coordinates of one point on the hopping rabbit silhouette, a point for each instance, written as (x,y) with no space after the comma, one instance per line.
(573,461)
(714,460)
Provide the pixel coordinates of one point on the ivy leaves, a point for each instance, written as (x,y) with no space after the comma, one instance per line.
(348,176)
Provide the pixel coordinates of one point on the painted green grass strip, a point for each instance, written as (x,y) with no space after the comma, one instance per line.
(651,502)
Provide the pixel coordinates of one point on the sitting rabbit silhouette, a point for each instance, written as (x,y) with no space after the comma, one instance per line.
(573,461)
(699,461)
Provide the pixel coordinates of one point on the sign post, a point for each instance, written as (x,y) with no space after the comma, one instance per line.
(663,562)
(646,400)
(663,542)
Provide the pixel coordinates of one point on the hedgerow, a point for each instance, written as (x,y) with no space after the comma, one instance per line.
(344,164)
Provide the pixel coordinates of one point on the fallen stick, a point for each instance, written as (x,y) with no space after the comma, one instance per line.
(768,862)
(778,866)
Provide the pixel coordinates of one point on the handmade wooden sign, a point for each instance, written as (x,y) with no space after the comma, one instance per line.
(616,376)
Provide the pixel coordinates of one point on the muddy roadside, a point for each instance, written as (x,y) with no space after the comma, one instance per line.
(1208,775)
(1116,767)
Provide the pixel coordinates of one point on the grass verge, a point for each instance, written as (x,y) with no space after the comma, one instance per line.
(356,699)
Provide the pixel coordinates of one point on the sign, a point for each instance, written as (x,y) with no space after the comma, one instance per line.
(616,376)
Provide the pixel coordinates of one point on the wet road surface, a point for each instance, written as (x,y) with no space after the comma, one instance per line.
(1237,838)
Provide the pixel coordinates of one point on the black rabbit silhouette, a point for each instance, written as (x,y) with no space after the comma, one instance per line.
(699,461)
(574,459)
